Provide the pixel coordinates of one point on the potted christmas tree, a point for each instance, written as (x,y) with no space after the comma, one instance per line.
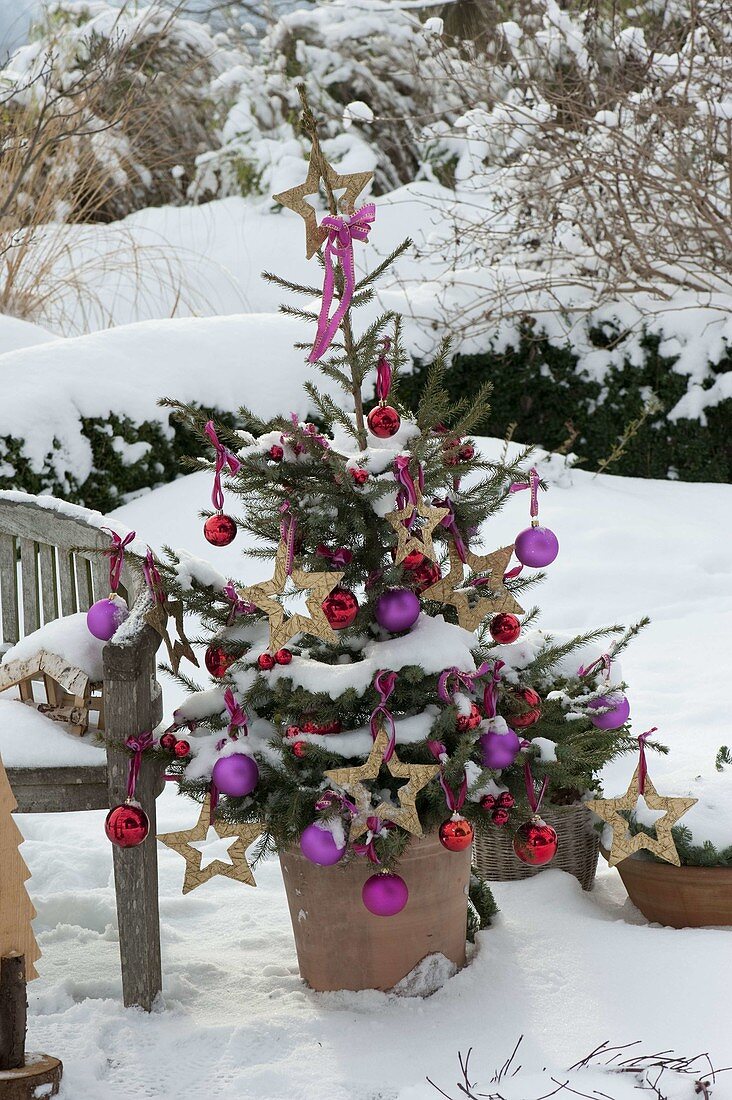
(345,730)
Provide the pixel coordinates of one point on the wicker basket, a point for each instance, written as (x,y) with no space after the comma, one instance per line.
(579,847)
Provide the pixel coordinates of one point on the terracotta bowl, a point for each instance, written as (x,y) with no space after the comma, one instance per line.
(680,897)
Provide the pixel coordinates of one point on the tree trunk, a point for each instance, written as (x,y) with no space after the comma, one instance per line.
(13,1011)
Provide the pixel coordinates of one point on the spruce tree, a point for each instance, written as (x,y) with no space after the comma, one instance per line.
(331,505)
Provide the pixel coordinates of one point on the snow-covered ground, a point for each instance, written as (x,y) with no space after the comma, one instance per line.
(564,969)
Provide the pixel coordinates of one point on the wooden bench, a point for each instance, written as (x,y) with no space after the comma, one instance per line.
(44,576)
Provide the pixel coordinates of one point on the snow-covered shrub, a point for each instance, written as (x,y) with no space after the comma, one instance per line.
(145,114)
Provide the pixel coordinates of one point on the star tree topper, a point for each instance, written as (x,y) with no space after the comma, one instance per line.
(624,844)
(420,538)
(352,185)
(451,588)
(351,781)
(281,626)
(238,869)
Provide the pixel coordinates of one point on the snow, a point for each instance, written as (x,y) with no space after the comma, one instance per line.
(29,739)
(15,333)
(68,637)
(564,969)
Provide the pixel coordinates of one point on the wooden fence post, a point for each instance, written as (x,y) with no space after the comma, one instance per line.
(133,703)
(13,1011)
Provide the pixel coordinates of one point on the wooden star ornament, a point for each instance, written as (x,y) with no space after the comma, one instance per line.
(238,869)
(416,538)
(352,780)
(158,617)
(451,588)
(352,184)
(283,627)
(624,844)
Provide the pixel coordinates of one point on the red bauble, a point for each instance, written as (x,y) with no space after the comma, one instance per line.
(487,802)
(466,453)
(219,530)
(456,834)
(535,842)
(383,421)
(283,656)
(182,748)
(419,572)
(167,741)
(505,628)
(359,475)
(300,748)
(292,731)
(450,447)
(266,662)
(276,453)
(217,660)
(127,825)
(469,721)
(340,607)
(527,717)
(506,800)
(500,816)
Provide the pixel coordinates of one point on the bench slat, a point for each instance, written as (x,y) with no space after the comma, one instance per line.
(9,588)
(49,595)
(83,582)
(29,578)
(66,582)
(100,576)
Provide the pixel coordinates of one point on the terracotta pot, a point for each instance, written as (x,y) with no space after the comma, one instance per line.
(340,945)
(680,897)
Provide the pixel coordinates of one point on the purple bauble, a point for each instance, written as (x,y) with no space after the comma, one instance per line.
(611,719)
(499,750)
(536,546)
(319,846)
(397,609)
(105,616)
(235,775)
(385,894)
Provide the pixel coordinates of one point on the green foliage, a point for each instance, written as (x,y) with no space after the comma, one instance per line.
(542,390)
(482,906)
(126,458)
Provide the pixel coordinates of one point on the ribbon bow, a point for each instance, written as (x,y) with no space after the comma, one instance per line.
(455,801)
(224,457)
(533,800)
(137,745)
(237,717)
(152,577)
(308,429)
(238,605)
(407,493)
(116,554)
(384,371)
(461,679)
(374,826)
(338,557)
(490,692)
(605,660)
(381,717)
(342,232)
(450,524)
(642,764)
(533,485)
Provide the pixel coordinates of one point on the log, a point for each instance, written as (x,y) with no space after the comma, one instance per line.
(39,1077)
(13,1011)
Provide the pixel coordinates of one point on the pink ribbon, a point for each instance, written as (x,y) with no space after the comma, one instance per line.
(341,556)
(137,746)
(152,577)
(116,554)
(342,232)
(237,717)
(450,524)
(534,802)
(437,748)
(238,605)
(308,429)
(533,485)
(327,799)
(642,764)
(605,660)
(213,801)
(490,692)
(407,493)
(224,457)
(288,530)
(454,801)
(384,372)
(384,683)
(460,679)
(374,826)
